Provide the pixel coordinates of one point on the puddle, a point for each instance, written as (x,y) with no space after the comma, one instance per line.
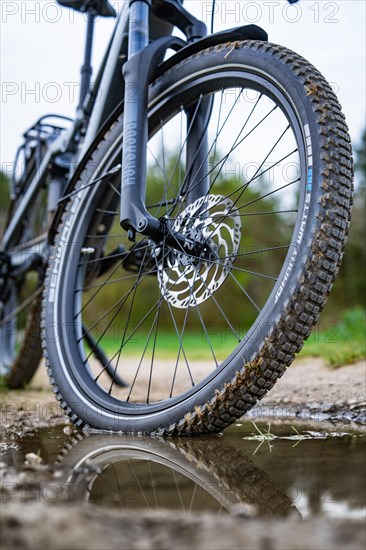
(253,470)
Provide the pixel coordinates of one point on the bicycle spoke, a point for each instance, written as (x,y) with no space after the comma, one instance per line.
(127,322)
(111,172)
(255,273)
(206,334)
(102,284)
(153,355)
(21,307)
(179,493)
(106,212)
(139,485)
(192,499)
(152,484)
(106,283)
(182,281)
(180,350)
(117,480)
(246,185)
(144,352)
(272,213)
(122,255)
(246,293)
(214,144)
(269,194)
(182,147)
(125,342)
(212,295)
(119,303)
(283,247)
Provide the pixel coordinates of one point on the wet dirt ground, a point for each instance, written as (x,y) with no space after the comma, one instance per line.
(289,475)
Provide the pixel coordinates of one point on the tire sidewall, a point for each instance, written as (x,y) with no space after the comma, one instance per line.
(82,405)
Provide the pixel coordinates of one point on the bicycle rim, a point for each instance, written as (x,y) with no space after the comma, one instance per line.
(167,325)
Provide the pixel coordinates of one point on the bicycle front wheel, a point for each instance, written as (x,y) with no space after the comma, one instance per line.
(199,341)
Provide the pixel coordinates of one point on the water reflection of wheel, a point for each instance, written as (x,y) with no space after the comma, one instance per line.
(134,472)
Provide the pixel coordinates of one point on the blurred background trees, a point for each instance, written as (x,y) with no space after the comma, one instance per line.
(350,288)
(349,291)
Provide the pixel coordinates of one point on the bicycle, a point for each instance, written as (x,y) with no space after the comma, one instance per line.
(146,219)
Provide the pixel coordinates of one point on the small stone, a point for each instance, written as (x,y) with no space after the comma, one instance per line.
(360,419)
(242,510)
(328,407)
(67,430)
(33,461)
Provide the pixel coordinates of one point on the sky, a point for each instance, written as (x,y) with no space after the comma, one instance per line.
(42,49)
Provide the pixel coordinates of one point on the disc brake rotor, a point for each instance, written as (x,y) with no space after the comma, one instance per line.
(187,281)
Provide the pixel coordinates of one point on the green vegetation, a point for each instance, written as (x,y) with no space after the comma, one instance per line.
(349,290)
(262,437)
(263,248)
(194,343)
(266,437)
(343,342)
(339,338)
(339,343)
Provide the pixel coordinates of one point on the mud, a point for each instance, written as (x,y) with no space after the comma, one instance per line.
(297,483)
(67,528)
(308,390)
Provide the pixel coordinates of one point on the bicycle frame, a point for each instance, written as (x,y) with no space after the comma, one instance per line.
(95,112)
(138,21)
(137,71)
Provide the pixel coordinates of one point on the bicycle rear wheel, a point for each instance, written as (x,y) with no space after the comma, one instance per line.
(198,341)
(21,298)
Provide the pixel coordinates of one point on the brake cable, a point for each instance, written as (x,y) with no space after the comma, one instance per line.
(213,16)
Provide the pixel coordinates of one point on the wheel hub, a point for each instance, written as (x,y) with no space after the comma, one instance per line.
(186,280)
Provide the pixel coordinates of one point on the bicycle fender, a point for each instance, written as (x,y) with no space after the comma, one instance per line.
(237,34)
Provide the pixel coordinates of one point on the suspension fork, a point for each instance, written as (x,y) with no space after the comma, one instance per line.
(137,72)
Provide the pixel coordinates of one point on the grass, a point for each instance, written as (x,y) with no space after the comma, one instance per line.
(265,436)
(337,343)
(168,345)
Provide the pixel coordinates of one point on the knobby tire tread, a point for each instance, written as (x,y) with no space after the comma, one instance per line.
(315,276)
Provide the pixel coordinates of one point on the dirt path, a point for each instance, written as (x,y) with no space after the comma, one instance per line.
(309,389)
(166,531)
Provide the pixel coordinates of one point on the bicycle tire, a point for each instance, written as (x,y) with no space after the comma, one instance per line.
(30,354)
(300,290)
(21,350)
